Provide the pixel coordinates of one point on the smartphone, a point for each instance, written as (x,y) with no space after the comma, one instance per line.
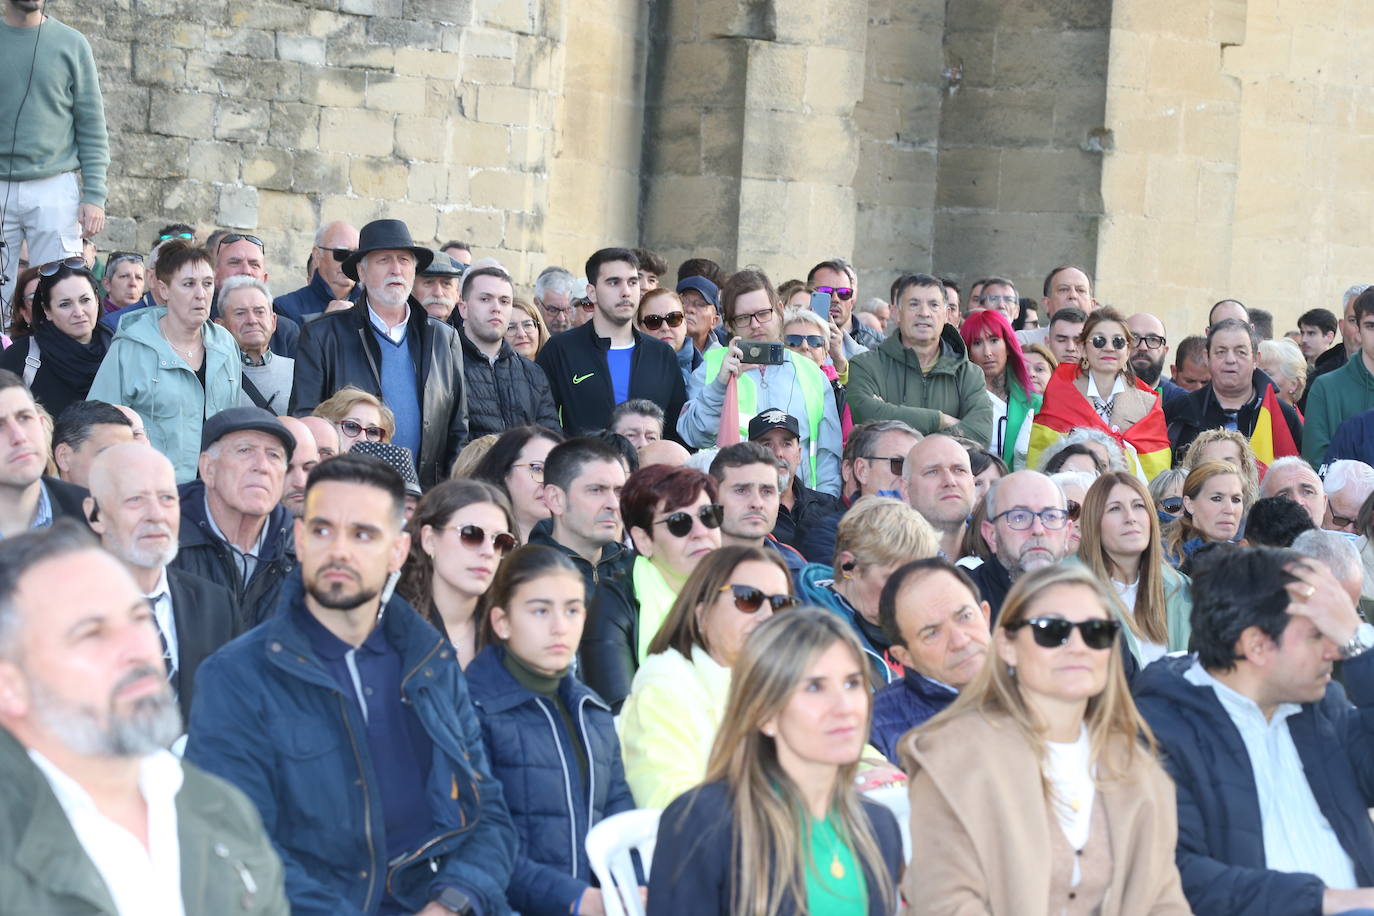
(820,304)
(761,354)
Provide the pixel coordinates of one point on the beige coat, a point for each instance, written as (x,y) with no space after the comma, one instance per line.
(980,829)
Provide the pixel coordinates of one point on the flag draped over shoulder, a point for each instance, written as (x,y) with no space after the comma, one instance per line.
(1271,437)
(1064,408)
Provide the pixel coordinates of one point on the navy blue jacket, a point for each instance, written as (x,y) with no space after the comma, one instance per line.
(902,705)
(270,718)
(311,299)
(1220,833)
(550,804)
(1353,439)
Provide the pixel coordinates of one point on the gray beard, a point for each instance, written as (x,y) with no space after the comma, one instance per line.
(152,724)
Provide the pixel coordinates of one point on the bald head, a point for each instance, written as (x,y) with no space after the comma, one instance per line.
(303,460)
(135,509)
(326,436)
(122,468)
(334,237)
(662,451)
(140,433)
(939,482)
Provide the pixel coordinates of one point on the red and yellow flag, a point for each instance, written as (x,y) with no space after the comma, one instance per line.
(1272,438)
(1146,443)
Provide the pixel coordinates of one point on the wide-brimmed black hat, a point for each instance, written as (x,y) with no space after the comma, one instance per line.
(385,235)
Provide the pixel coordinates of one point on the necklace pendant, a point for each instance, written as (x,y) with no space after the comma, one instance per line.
(836,868)
(1076,805)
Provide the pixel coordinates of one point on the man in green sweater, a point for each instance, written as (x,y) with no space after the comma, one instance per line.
(52,125)
(1344,392)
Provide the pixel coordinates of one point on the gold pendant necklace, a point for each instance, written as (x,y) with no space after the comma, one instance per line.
(836,866)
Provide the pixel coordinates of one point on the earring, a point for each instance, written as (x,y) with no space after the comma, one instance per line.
(770,732)
(1011,670)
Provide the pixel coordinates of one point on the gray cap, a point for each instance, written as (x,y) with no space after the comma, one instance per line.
(443,265)
(239,419)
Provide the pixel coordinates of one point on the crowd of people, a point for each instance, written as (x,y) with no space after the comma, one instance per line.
(375,596)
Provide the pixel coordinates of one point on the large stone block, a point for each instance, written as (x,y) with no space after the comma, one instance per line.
(334,86)
(179,114)
(190,200)
(1050,181)
(834,80)
(267,167)
(680,210)
(151,156)
(386,92)
(240,41)
(385,8)
(155,65)
(357,131)
(242,119)
(427,182)
(968,178)
(382,179)
(1040,14)
(480,145)
(214,161)
(421,137)
(1006,118)
(303,49)
(772,150)
(238,207)
(288,211)
(440,64)
(314,172)
(269,15)
(450,12)
(294,125)
(502,189)
(477,227)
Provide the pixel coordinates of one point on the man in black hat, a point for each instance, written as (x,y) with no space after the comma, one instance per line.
(390,346)
(437,286)
(807,518)
(234,529)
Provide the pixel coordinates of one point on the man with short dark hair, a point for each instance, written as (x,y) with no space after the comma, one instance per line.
(1269,757)
(329,289)
(1027,528)
(504,389)
(437,287)
(234,530)
(27,498)
(458,250)
(83,430)
(1316,332)
(836,277)
(807,518)
(608,361)
(1065,287)
(1339,395)
(1190,371)
(874,458)
(96,816)
(1061,336)
(583,478)
(1263,323)
(346,719)
(952,309)
(245,311)
(748,489)
(304,457)
(652,269)
(638,420)
(1349,344)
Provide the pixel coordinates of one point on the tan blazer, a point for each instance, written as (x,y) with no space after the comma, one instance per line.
(980,828)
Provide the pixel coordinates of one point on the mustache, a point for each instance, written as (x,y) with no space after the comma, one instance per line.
(136,674)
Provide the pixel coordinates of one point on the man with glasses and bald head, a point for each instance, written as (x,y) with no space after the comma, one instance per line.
(1027,528)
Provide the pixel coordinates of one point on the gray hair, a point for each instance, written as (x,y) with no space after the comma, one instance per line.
(1116,460)
(555,280)
(1164,480)
(1347,472)
(1287,461)
(871,306)
(1352,293)
(1290,358)
(1082,478)
(1334,549)
(810,317)
(990,497)
(244,281)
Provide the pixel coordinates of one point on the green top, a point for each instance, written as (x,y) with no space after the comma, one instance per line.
(546,686)
(835,884)
(62,125)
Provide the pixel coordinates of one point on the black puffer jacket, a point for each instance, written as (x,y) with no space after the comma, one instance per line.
(507,392)
(338,349)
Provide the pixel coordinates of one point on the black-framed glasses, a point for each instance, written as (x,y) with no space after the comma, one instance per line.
(654,322)
(1150,341)
(353,429)
(842,293)
(338,254)
(474,536)
(894,464)
(185,236)
(680,523)
(1099,341)
(1172,504)
(1053,632)
(811,340)
(233,237)
(761,317)
(749,599)
(1021,519)
(52,267)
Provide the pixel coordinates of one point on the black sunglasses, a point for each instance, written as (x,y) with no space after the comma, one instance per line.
(680,523)
(811,340)
(749,599)
(72,263)
(1172,504)
(473,537)
(585,305)
(654,322)
(843,293)
(1099,341)
(352,429)
(339,254)
(240,237)
(1052,632)
(894,464)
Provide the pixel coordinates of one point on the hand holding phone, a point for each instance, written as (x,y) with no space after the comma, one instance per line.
(761,353)
(820,304)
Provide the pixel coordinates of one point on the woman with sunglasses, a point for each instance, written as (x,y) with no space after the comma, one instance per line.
(877,535)
(661,316)
(804,333)
(68,342)
(1167,492)
(673,520)
(1120,544)
(678,699)
(551,741)
(1101,392)
(515,464)
(993,347)
(777,825)
(358,415)
(458,535)
(526,332)
(1071,811)
(172,364)
(123,280)
(1214,507)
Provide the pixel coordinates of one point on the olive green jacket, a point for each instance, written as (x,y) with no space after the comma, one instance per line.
(227,863)
(887,384)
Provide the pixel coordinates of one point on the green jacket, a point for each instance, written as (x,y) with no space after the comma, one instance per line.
(887,384)
(142,371)
(227,863)
(1335,397)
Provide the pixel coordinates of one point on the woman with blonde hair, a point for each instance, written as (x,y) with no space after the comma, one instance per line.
(358,415)
(1229,446)
(1119,531)
(526,333)
(778,827)
(1214,505)
(1071,811)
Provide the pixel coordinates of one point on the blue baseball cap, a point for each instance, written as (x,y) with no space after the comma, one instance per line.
(709,291)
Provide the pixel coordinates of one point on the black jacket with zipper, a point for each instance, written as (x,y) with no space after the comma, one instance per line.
(506,392)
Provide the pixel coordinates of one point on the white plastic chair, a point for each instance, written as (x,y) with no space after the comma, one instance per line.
(609,847)
(896,800)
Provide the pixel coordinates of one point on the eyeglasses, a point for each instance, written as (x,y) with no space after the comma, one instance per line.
(240,237)
(999,300)
(1172,504)
(894,464)
(473,537)
(352,429)
(1022,519)
(585,305)
(761,317)
(1149,341)
(680,523)
(654,322)
(1099,341)
(1340,521)
(1052,632)
(749,599)
(842,293)
(52,267)
(536,469)
(188,236)
(815,341)
(526,327)
(339,254)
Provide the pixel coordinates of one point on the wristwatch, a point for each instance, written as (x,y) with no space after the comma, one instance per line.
(1360,643)
(455,901)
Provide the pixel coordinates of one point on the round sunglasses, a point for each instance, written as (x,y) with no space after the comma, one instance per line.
(1099,341)
(1052,632)
(353,429)
(473,536)
(749,599)
(680,523)
(654,322)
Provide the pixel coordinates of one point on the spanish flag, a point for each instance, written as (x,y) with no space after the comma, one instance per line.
(1146,443)
(1272,437)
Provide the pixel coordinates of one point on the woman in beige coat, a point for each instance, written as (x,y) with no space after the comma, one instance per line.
(1034,793)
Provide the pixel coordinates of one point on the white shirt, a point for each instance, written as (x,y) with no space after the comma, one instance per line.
(162,612)
(395,332)
(142,882)
(1297,836)
(1149,651)
(1069,769)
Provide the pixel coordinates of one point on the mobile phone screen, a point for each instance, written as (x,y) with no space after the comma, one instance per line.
(820,304)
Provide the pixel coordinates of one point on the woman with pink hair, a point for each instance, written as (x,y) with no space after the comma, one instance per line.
(993,347)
